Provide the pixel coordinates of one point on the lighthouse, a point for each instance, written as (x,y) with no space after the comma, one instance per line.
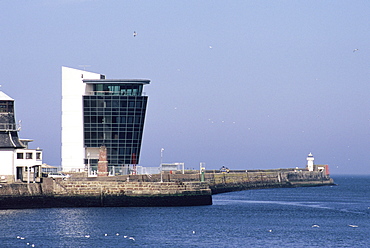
(8,129)
(310,160)
(17,161)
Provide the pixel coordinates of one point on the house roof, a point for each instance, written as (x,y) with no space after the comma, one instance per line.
(5,97)
(10,140)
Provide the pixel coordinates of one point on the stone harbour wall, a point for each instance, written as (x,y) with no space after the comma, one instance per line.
(142,190)
(221,183)
(69,187)
(75,193)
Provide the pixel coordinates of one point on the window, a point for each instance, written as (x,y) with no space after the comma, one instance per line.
(86,103)
(6,106)
(19,155)
(38,155)
(100,103)
(29,155)
(136,135)
(129,135)
(87,135)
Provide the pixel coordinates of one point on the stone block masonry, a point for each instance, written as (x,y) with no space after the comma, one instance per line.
(221,183)
(245,180)
(130,188)
(140,190)
(101,193)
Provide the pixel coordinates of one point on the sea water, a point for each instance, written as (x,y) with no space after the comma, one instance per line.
(329,216)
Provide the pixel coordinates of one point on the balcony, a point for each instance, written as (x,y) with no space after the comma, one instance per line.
(8,127)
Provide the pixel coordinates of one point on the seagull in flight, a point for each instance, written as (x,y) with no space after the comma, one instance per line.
(355,50)
(135,33)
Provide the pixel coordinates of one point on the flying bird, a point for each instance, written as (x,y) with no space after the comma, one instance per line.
(135,33)
(355,50)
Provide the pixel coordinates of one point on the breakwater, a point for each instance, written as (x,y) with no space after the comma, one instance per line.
(103,193)
(189,189)
(221,183)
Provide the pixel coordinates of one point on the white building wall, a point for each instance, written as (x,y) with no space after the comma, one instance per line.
(26,162)
(73,89)
(6,162)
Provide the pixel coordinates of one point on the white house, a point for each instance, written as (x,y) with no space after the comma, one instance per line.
(17,161)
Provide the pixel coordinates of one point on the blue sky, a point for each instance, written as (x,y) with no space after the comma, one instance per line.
(245,84)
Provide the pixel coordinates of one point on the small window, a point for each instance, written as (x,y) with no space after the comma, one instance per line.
(19,155)
(114,135)
(28,155)
(38,155)
(136,135)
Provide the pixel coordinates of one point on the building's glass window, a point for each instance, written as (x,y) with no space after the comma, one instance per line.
(38,155)
(123,89)
(20,155)
(29,155)
(6,106)
(86,119)
(86,103)
(118,124)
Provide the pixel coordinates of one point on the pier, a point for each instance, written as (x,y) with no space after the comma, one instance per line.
(188,189)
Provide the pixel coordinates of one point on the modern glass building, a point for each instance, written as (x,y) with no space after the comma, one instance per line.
(111,113)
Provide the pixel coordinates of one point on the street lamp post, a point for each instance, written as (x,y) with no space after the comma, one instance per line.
(162,149)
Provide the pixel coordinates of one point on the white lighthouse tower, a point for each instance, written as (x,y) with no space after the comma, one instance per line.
(310,160)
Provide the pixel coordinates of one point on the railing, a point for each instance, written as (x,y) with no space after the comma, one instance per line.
(113,93)
(8,127)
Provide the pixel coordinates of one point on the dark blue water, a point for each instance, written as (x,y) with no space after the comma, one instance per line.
(335,216)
